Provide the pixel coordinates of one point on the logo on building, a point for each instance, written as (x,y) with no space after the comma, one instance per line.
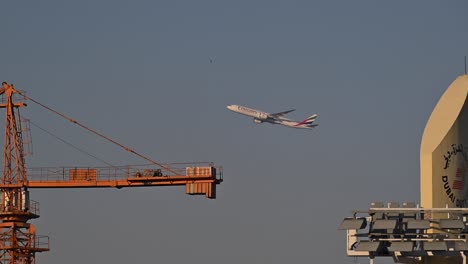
(453,178)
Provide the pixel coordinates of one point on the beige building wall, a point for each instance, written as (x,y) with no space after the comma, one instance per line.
(444,148)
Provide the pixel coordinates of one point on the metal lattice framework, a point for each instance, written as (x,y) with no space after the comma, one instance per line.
(408,234)
(18,240)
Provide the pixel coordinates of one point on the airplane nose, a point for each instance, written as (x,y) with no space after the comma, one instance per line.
(229,107)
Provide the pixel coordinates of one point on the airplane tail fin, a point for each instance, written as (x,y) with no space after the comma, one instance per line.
(308,121)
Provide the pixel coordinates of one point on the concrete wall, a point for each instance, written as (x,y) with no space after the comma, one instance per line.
(444,148)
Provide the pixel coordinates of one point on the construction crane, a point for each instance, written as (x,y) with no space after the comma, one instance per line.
(19,242)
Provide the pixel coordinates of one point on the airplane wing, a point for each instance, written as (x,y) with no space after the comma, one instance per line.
(280,114)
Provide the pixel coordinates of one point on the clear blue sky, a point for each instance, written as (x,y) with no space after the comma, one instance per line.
(140,72)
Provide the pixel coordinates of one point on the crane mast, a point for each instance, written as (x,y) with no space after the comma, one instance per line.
(18,240)
(13,155)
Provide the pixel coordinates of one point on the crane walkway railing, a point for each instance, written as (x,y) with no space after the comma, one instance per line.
(123,176)
(198,180)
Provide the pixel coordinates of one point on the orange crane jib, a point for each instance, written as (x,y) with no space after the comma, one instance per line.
(198,180)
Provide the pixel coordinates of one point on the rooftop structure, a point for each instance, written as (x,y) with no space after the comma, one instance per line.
(408,234)
(436,231)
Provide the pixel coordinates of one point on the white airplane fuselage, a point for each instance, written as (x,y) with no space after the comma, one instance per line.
(260,117)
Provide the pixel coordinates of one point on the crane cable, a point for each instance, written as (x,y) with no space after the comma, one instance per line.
(71,145)
(97,133)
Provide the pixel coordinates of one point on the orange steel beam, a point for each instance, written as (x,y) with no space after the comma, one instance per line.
(130,182)
(193,186)
(197,180)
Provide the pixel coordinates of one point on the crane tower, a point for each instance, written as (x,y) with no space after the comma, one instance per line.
(18,240)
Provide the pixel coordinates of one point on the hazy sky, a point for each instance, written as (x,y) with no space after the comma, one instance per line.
(140,72)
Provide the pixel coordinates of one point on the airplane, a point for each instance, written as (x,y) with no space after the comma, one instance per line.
(275,118)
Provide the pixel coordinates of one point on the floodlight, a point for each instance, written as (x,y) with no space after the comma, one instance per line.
(367,246)
(408,205)
(461,246)
(353,223)
(401,246)
(393,205)
(376,205)
(435,246)
(384,224)
(377,215)
(451,224)
(418,224)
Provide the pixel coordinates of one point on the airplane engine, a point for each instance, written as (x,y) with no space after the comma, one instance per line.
(257,121)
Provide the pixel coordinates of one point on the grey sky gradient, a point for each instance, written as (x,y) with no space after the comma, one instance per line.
(140,72)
